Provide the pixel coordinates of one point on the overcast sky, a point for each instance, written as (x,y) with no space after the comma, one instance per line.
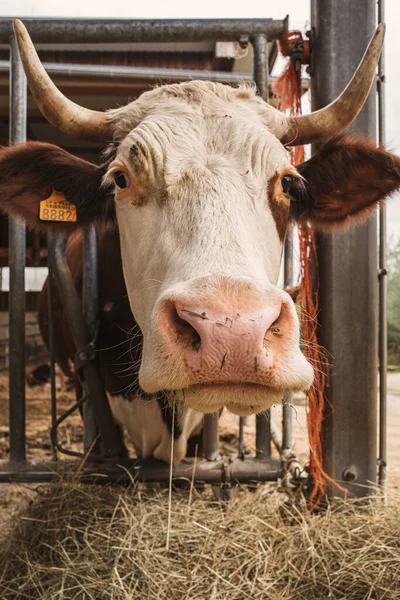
(298,10)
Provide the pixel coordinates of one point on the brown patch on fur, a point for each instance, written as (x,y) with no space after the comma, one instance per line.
(28,174)
(139,153)
(344,182)
(119,339)
(279,202)
(243,94)
(293,293)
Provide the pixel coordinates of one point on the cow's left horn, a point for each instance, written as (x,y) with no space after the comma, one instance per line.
(61,112)
(327,122)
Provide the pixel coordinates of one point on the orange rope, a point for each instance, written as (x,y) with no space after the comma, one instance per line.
(288,89)
(317,356)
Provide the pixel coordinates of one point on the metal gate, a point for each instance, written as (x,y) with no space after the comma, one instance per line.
(82,320)
(97,414)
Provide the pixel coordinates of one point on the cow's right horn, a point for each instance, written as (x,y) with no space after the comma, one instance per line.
(323,124)
(64,114)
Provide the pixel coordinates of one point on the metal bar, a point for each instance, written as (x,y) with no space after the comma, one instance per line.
(131,72)
(241,437)
(111,440)
(347,266)
(288,260)
(18,97)
(263,435)
(260,64)
(287,408)
(154,471)
(72,31)
(144,73)
(91,314)
(211,437)
(139,73)
(260,75)
(382,459)
(53,391)
(287,424)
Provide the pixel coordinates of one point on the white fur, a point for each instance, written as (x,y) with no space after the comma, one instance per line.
(147,430)
(196,218)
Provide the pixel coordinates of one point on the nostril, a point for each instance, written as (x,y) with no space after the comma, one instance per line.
(185,331)
(279,327)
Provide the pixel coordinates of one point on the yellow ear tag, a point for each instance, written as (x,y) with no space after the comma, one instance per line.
(57,208)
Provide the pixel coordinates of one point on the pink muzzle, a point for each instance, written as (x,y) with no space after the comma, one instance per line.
(229,346)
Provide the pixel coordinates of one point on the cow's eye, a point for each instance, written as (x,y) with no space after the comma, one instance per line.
(121,179)
(286,183)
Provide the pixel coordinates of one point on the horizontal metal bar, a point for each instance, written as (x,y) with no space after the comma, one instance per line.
(155,74)
(146,73)
(69,31)
(151,470)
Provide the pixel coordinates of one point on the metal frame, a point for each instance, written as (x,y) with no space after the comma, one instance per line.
(80,31)
(348,270)
(144,73)
(382,278)
(97,414)
(18,99)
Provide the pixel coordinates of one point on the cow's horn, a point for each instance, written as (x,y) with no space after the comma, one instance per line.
(64,114)
(327,122)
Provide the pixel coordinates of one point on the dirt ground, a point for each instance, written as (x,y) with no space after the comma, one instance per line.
(393,433)
(70,434)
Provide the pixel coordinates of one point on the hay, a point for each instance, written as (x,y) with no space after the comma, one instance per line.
(77,542)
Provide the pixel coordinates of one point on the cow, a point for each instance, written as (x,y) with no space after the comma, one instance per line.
(147,418)
(198,185)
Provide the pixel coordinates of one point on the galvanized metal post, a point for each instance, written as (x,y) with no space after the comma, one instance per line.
(91,315)
(211,437)
(287,408)
(241,437)
(347,266)
(112,442)
(260,64)
(17,272)
(263,435)
(260,75)
(52,352)
(382,458)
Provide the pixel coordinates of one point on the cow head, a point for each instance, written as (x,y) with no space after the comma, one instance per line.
(202,188)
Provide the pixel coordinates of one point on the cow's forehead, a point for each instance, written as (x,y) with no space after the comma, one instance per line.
(193,98)
(177,134)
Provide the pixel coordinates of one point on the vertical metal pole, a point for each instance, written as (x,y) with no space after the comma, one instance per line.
(17,272)
(53,392)
(260,64)
(241,437)
(347,266)
(210,436)
(263,435)
(260,75)
(287,409)
(382,459)
(91,315)
(72,307)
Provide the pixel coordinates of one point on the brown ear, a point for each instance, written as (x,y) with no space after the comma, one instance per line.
(344,181)
(30,172)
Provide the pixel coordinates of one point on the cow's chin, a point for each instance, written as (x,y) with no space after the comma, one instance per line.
(239,398)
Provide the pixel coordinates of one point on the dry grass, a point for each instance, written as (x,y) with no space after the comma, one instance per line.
(76,542)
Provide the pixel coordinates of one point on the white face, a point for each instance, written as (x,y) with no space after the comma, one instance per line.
(201,215)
